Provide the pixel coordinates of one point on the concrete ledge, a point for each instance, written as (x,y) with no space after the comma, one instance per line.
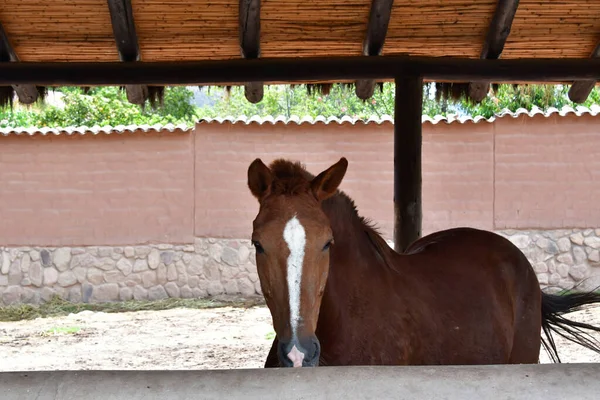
(528,382)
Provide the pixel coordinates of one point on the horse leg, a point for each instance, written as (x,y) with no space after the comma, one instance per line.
(527,339)
(272,359)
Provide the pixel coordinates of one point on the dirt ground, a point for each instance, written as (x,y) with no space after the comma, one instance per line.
(174,339)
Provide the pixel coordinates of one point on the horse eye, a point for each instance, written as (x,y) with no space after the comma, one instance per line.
(327,245)
(258,247)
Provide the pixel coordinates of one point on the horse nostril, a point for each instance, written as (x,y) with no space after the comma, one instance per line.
(315,349)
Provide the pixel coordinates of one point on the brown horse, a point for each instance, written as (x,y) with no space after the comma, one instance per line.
(460,296)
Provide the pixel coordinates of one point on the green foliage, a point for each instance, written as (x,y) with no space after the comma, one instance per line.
(287,101)
(103,106)
(62,330)
(270,336)
(513,98)
(17,118)
(109,106)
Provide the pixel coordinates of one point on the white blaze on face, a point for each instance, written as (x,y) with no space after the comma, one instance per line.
(295,237)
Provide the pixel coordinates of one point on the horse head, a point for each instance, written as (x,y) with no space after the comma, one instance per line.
(292,236)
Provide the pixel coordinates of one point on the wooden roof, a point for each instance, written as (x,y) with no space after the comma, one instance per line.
(173,30)
(176,30)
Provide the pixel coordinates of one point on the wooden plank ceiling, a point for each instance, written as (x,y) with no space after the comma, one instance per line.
(174,30)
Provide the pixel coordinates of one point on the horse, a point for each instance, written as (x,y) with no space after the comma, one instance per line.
(339,295)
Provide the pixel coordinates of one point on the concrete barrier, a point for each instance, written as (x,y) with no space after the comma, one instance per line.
(530,382)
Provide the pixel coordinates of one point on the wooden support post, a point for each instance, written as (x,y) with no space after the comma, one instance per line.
(407,161)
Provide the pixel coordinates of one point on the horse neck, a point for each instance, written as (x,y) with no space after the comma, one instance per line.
(360,262)
(355,268)
(352,255)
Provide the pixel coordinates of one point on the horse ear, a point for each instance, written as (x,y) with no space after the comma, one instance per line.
(260,179)
(326,183)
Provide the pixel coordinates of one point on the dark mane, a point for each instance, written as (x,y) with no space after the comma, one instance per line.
(292,178)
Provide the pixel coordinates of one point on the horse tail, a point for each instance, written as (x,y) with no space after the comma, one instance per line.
(553,308)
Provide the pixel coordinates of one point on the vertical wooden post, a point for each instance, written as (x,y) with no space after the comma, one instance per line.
(407,161)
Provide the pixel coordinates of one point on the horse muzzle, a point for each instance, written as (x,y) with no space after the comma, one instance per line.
(304,352)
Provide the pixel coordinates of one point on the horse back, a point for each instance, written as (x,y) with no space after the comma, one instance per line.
(471,252)
(480,285)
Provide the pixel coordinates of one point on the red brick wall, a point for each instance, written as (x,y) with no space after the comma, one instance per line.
(89,190)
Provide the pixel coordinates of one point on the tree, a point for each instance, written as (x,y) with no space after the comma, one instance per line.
(103,106)
(512,98)
(109,106)
(287,101)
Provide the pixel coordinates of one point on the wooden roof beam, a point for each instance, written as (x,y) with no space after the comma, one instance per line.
(379,19)
(494,43)
(299,70)
(249,27)
(121,16)
(27,94)
(580,90)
